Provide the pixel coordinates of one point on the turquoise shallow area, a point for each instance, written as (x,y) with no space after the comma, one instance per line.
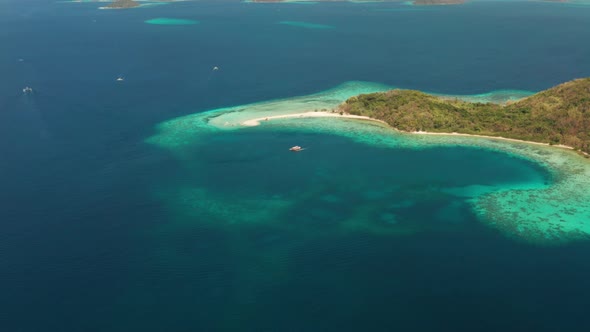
(171,21)
(183,131)
(547,209)
(306,25)
(535,212)
(247,179)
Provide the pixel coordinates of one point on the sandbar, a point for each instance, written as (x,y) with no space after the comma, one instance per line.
(256,121)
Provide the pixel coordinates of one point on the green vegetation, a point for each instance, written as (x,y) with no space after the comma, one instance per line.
(560,115)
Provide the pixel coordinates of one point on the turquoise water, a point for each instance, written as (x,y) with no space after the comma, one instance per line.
(373,188)
(171,21)
(146,204)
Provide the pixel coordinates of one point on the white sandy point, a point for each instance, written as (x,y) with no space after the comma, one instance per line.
(256,122)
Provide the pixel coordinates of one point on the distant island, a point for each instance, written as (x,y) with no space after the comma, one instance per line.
(122,4)
(557,116)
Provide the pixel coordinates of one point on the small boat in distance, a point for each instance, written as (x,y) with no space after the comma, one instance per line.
(27,90)
(296,148)
(120,79)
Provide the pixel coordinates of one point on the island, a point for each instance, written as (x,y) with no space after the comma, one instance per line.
(122,4)
(557,116)
(520,123)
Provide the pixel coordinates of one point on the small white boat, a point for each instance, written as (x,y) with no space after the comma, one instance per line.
(215,68)
(120,79)
(296,148)
(28,90)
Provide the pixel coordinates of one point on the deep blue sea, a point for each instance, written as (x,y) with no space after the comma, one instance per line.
(100,231)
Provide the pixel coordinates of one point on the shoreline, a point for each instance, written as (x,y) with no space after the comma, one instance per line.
(323,114)
(561,146)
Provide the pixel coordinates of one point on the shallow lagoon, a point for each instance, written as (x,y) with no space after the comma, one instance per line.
(527,207)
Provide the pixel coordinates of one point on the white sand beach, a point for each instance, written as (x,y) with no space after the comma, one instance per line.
(495,137)
(256,122)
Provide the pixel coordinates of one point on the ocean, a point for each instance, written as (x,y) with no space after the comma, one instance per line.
(101,229)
